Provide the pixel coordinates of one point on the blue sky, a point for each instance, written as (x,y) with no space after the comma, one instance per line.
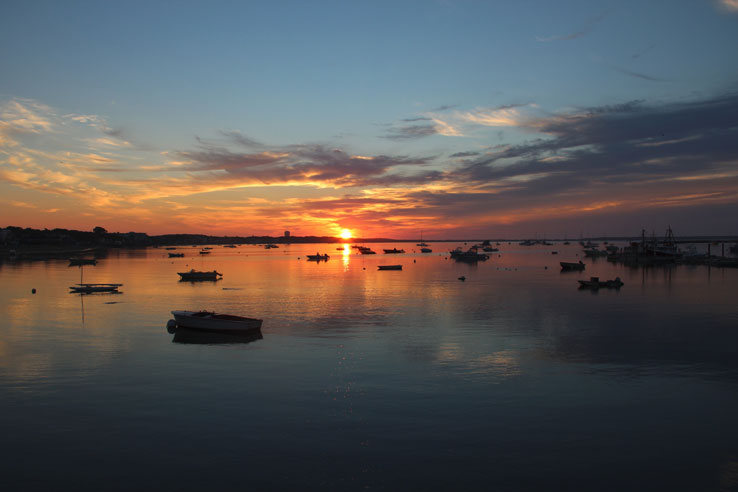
(403,86)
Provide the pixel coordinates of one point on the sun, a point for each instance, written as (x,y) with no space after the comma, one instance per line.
(345,234)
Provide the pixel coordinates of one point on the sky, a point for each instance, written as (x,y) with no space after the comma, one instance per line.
(446,118)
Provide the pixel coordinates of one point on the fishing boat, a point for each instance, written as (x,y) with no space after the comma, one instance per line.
(194,275)
(568,265)
(176,255)
(207,320)
(389,267)
(91,288)
(82,261)
(471,255)
(318,257)
(393,251)
(595,283)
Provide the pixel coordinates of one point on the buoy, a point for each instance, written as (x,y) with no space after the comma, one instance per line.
(171,326)
(462,278)
(33,291)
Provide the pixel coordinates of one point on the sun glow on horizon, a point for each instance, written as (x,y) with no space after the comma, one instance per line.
(345,234)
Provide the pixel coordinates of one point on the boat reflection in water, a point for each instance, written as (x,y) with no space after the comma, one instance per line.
(188,335)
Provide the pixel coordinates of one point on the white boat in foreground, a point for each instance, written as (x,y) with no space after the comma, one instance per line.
(206,320)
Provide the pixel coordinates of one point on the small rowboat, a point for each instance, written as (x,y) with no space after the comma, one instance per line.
(389,267)
(318,257)
(206,320)
(195,275)
(568,265)
(90,288)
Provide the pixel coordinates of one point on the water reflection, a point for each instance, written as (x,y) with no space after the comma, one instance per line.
(186,335)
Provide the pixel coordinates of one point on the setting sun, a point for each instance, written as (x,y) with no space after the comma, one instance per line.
(345,234)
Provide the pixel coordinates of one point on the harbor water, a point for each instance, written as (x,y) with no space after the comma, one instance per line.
(412,379)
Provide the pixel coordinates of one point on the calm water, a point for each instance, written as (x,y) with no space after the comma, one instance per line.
(394,380)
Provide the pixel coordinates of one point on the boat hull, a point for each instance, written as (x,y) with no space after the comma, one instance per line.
(203,320)
(389,267)
(198,276)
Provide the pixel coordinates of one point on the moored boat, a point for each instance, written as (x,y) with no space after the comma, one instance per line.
(207,320)
(194,275)
(393,251)
(318,257)
(176,255)
(426,250)
(595,283)
(389,267)
(91,288)
(469,256)
(569,265)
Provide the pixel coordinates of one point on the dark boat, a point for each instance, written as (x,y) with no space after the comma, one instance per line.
(393,251)
(194,275)
(389,267)
(595,283)
(93,288)
(567,265)
(470,256)
(207,320)
(318,257)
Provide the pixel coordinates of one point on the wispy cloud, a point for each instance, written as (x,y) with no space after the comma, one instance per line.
(637,75)
(642,52)
(509,115)
(575,34)
(410,132)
